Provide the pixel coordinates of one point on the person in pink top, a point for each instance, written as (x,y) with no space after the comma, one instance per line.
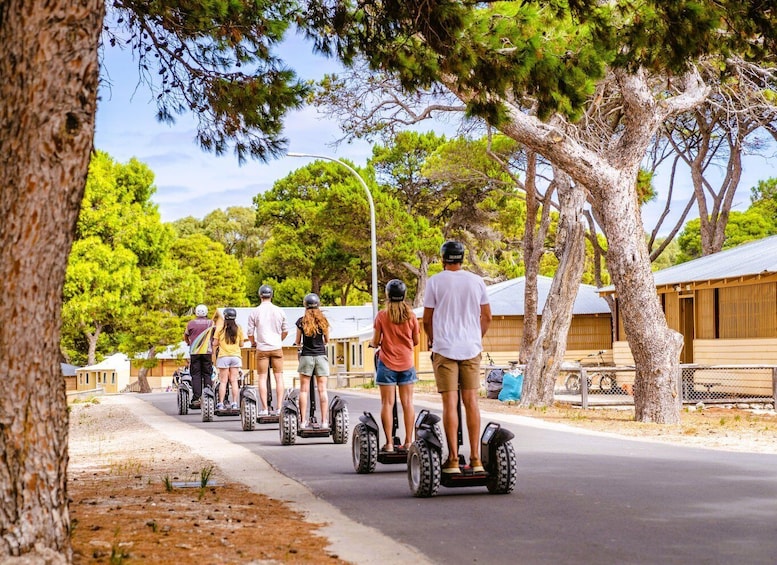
(395,337)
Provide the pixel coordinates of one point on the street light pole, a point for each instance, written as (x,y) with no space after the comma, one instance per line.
(373,241)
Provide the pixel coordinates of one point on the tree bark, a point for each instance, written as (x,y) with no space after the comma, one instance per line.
(48,86)
(547,354)
(143,373)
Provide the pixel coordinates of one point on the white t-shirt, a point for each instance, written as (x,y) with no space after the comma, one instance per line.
(456,297)
(267,323)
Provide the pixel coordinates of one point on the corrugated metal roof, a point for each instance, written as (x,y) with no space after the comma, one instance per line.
(752,258)
(507,298)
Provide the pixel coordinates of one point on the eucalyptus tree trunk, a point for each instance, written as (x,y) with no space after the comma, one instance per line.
(143,372)
(547,354)
(48,87)
(532,252)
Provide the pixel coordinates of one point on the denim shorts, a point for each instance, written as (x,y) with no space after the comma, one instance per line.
(229,361)
(308,364)
(386,376)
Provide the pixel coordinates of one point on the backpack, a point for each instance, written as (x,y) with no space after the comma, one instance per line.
(512,385)
(494,382)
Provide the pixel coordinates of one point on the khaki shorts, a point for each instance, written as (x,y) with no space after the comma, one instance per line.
(452,374)
(272,358)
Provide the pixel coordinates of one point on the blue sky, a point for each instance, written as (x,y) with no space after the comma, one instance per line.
(191,182)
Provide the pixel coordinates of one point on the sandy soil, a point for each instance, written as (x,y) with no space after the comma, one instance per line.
(135,498)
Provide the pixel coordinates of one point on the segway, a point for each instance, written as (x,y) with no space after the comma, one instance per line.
(249,406)
(185,392)
(364,446)
(290,429)
(208,403)
(424,459)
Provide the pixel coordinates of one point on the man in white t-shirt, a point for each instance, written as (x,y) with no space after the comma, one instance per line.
(267,328)
(457,315)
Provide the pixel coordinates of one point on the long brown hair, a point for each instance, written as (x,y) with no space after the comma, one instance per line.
(399,312)
(230,331)
(314,322)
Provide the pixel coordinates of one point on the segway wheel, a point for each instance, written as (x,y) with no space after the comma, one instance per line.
(207,407)
(340,426)
(364,448)
(183,402)
(572,384)
(287,428)
(247,415)
(423,469)
(502,480)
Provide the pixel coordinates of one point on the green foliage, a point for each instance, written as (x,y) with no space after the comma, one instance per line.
(221,273)
(215,59)
(741,228)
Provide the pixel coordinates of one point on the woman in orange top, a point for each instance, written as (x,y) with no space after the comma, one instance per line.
(395,337)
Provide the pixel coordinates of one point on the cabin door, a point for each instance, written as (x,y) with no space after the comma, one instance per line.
(687,328)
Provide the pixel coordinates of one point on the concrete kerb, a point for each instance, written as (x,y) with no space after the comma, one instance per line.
(348,539)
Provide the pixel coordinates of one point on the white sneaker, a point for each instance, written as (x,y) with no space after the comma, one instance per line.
(304,425)
(324,424)
(233,406)
(220,406)
(263,413)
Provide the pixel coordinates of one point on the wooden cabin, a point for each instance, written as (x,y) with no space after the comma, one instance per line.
(725,307)
(110,375)
(590,330)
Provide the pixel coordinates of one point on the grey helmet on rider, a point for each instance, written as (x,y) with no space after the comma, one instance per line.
(230,313)
(311,301)
(265,291)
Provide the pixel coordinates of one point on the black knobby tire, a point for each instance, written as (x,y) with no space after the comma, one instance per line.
(423,469)
(340,426)
(502,480)
(247,415)
(607,382)
(183,402)
(287,427)
(208,408)
(572,384)
(364,449)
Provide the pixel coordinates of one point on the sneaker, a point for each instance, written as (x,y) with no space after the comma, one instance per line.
(263,413)
(304,426)
(387,448)
(476,465)
(220,406)
(233,406)
(451,467)
(324,424)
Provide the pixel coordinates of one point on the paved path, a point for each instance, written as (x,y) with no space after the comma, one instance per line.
(580,497)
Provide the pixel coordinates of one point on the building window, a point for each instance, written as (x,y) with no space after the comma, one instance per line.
(357,354)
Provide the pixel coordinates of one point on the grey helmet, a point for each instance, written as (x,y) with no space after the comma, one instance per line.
(230,313)
(265,291)
(452,252)
(396,290)
(311,301)
(201,311)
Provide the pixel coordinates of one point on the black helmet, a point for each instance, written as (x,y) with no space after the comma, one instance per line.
(230,313)
(452,252)
(312,300)
(265,291)
(396,290)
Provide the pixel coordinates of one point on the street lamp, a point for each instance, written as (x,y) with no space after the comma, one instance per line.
(373,242)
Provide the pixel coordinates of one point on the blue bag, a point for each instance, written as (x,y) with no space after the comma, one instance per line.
(512,384)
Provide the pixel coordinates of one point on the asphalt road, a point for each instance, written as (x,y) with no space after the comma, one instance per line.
(580,497)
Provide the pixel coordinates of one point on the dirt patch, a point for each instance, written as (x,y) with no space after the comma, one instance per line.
(136,498)
(128,506)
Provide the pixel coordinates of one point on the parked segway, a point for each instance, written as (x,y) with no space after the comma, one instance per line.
(424,467)
(290,428)
(249,406)
(364,445)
